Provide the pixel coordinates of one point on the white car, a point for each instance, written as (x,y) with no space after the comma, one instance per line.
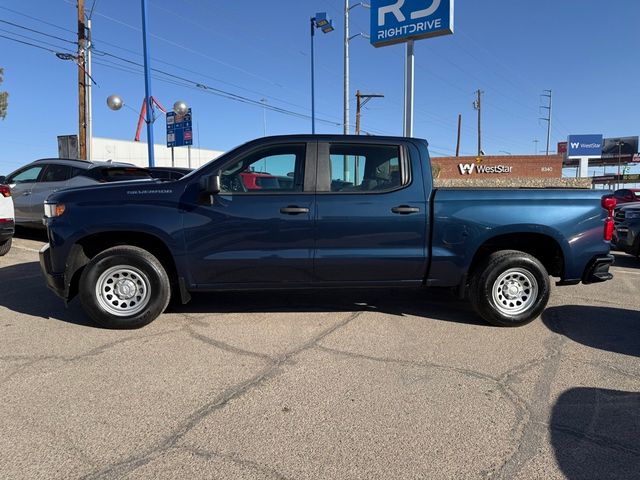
(6,219)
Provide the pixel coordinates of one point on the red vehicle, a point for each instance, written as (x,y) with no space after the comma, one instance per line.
(259,181)
(627,195)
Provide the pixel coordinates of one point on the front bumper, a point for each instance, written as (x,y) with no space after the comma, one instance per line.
(55,282)
(598,270)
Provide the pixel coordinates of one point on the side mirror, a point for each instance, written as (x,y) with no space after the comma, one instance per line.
(211,184)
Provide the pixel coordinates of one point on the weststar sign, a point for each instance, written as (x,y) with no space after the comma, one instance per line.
(470,168)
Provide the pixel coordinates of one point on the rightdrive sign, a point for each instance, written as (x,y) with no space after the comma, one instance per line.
(585,146)
(398,21)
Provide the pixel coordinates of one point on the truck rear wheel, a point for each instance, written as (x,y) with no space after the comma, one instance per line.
(510,288)
(124,287)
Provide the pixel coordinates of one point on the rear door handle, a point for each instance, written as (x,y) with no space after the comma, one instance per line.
(405,210)
(293,210)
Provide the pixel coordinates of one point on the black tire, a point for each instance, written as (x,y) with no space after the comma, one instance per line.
(5,247)
(124,264)
(508,308)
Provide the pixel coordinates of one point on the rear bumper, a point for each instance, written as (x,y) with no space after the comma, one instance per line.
(55,282)
(598,270)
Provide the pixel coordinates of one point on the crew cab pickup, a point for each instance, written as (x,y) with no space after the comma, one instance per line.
(355,212)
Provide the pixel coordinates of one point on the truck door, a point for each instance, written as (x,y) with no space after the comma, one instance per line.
(372,214)
(259,229)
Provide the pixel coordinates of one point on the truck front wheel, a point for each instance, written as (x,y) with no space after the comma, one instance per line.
(510,288)
(124,287)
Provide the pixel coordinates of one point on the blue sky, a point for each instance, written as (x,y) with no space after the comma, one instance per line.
(584,50)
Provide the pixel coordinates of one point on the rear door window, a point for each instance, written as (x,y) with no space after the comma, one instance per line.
(55,173)
(365,168)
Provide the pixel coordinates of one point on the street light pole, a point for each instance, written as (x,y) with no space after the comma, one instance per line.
(345,118)
(347,60)
(619,180)
(313,75)
(323,23)
(147,85)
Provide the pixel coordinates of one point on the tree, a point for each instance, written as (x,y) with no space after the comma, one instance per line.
(4,96)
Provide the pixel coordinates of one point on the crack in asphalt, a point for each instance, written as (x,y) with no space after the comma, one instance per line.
(35,359)
(208,455)
(126,466)
(522,409)
(533,431)
(227,347)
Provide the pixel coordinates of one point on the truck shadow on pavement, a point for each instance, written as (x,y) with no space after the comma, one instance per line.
(626,261)
(23,291)
(594,433)
(606,328)
(431,304)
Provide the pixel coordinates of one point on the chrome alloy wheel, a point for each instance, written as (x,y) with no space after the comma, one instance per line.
(515,291)
(123,291)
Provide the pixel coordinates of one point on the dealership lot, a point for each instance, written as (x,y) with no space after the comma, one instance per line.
(379,384)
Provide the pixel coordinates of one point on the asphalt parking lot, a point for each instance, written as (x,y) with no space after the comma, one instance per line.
(333,385)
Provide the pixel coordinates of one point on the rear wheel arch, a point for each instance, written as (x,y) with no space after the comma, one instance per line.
(545,248)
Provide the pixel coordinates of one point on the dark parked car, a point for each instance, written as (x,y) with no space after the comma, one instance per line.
(33,183)
(626,236)
(382,225)
(627,195)
(168,174)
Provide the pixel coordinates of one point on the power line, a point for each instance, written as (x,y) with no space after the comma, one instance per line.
(40,42)
(38,32)
(37,19)
(30,44)
(214,90)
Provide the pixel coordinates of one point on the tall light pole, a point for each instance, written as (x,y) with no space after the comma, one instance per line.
(319,21)
(147,85)
(347,39)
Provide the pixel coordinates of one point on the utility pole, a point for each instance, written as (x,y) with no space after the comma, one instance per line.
(82,88)
(478,106)
(459,129)
(362,100)
(89,100)
(548,94)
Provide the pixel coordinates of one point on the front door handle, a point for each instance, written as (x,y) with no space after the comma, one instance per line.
(293,210)
(405,210)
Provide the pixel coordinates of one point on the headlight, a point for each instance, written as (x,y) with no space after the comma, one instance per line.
(52,210)
(632,214)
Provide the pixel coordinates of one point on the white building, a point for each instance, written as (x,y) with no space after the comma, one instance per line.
(136,153)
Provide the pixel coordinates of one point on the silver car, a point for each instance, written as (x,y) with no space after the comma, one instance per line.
(33,183)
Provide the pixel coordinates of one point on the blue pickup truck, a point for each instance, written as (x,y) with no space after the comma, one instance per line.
(337,211)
